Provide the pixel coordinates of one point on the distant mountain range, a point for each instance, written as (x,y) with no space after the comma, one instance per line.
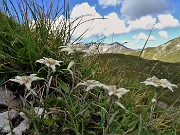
(167,52)
(108,48)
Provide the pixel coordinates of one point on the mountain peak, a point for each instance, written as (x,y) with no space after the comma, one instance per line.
(115,47)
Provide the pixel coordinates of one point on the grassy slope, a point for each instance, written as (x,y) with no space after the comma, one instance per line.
(138,68)
(168,52)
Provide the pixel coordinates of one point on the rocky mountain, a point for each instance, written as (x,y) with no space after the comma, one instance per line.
(108,48)
(167,52)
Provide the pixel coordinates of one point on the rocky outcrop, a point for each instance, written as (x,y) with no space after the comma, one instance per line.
(7,98)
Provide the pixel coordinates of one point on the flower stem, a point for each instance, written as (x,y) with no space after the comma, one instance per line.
(49,79)
(74,71)
(153,106)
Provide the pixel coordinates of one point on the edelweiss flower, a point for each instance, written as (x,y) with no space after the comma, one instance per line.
(90,84)
(153,100)
(74,48)
(26,80)
(49,62)
(112,90)
(154,81)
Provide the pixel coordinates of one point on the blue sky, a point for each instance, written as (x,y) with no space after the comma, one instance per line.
(129,20)
(126,20)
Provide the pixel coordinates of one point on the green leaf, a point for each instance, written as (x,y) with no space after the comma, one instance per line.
(64,86)
(21,53)
(112,117)
(49,121)
(101,107)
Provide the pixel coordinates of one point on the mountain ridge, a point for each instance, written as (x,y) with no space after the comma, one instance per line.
(114,47)
(167,52)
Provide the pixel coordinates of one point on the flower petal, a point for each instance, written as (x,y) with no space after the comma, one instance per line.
(14,80)
(70,65)
(53,68)
(40,61)
(28,85)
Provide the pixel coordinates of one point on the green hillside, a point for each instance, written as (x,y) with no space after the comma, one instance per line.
(126,67)
(168,52)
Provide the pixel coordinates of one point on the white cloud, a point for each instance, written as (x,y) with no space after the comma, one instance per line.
(106,3)
(145,22)
(58,22)
(142,36)
(83,9)
(163,34)
(138,8)
(98,27)
(88,12)
(166,20)
(113,24)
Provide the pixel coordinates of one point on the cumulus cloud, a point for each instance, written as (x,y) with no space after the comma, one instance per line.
(137,8)
(106,3)
(83,9)
(166,20)
(89,12)
(98,27)
(145,22)
(163,34)
(113,24)
(142,36)
(58,22)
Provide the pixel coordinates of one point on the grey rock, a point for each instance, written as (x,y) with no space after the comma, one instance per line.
(21,127)
(7,98)
(162,105)
(4,120)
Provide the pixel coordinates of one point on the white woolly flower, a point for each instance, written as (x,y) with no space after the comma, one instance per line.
(90,84)
(74,48)
(153,100)
(50,62)
(154,81)
(26,80)
(112,90)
